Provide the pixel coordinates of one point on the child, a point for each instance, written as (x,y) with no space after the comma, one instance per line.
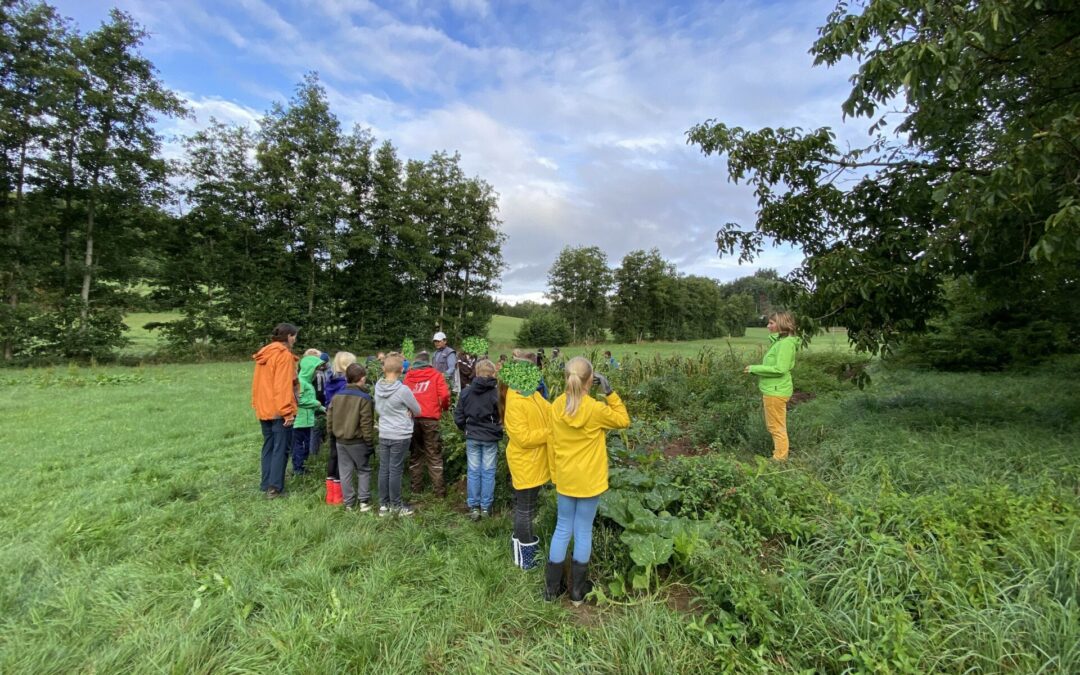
(477,414)
(318,432)
(396,407)
(579,424)
(432,393)
(334,384)
(305,416)
(351,420)
(528,425)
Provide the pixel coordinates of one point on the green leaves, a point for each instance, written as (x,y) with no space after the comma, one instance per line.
(408,350)
(521,376)
(477,346)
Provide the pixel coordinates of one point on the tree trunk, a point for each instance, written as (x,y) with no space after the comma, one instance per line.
(88,259)
(442,301)
(311,284)
(464,299)
(16,240)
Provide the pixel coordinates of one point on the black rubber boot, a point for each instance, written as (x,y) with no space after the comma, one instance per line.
(554,586)
(580,586)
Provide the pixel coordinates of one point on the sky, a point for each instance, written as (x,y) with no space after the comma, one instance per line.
(576,112)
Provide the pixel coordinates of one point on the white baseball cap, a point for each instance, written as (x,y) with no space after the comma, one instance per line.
(438,336)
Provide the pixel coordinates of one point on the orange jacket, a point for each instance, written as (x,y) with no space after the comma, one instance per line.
(273,389)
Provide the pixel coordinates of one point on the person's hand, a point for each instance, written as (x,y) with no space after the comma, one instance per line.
(602,382)
(746,370)
(289,421)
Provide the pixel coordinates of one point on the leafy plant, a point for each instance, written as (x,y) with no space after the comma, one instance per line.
(477,346)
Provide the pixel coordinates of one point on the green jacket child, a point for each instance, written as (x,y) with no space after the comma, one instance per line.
(307,403)
(774,373)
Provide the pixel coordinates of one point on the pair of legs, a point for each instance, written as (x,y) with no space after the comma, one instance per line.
(481,457)
(277,441)
(427,451)
(332,462)
(576,515)
(776,422)
(392,454)
(301,447)
(525,513)
(356,458)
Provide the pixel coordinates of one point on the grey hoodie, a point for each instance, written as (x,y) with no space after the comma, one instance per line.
(393,402)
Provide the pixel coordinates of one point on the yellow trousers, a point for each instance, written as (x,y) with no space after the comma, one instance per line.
(776,423)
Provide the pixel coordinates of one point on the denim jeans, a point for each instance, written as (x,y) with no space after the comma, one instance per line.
(392,454)
(301,447)
(481,456)
(277,439)
(576,516)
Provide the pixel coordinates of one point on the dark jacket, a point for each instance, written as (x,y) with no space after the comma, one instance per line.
(351,416)
(334,384)
(477,412)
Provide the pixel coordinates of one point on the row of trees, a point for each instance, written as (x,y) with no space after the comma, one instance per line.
(297,219)
(646,298)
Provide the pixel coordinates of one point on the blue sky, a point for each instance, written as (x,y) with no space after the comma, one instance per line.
(576,112)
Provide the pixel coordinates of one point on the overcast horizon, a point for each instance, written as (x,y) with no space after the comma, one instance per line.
(575,113)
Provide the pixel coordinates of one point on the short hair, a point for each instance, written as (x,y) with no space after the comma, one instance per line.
(312,352)
(485,368)
(355,372)
(393,364)
(785,321)
(283,331)
(530,357)
(422,356)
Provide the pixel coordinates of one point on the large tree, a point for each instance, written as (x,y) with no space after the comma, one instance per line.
(578,285)
(972,169)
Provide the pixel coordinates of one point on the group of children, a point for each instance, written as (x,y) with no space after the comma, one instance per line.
(561,442)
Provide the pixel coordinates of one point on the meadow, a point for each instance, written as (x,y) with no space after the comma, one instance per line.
(927,523)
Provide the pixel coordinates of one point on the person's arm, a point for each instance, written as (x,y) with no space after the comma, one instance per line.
(442,391)
(367,421)
(410,401)
(308,401)
(459,411)
(785,359)
(614,415)
(522,433)
(284,376)
(451,363)
(330,419)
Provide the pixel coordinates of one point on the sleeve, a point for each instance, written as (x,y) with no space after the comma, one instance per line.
(442,390)
(459,411)
(785,359)
(284,393)
(308,400)
(614,414)
(451,363)
(367,421)
(410,401)
(522,433)
(330,419)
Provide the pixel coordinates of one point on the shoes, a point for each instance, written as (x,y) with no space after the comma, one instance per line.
(474,513)
(526,554)
(273,493)
(580,586)
(515,548)
(403,511)
(554,586)
(365,507)
(384,511)
(485,513)
(348,508)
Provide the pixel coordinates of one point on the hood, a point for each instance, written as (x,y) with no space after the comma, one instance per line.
(417,365)
(308,364)
(578,419)
(264,355)
(481,384)
(384,389)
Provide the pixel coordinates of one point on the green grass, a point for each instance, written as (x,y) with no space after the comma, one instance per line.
(143,341)
(502,333)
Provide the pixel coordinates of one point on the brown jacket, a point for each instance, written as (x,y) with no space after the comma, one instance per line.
(351,416)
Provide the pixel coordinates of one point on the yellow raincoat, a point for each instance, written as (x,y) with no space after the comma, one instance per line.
(579,446)
(528,424)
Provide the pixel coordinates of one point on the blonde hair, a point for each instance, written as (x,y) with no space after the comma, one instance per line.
(312,352)
(485,368)
(393,364)
(785,321)
(578,379)
(342,360)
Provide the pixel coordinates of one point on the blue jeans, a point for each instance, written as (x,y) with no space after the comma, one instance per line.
(576,515)
(481,456)
(392,454)
(300,449)
(277,438)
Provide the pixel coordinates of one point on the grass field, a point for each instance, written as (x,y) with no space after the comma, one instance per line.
(136,541)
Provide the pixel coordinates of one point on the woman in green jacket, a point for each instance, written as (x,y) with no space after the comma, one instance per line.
(774,379)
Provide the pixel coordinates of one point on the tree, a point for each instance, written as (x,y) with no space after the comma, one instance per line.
(545,328)
(578,285)
(639,295)
(979,180)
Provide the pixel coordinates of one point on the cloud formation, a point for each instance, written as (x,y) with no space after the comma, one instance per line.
(575,112)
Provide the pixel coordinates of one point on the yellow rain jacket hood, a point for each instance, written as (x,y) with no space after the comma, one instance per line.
(579,445)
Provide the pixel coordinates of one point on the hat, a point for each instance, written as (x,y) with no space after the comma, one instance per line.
(438,336)
(324,357)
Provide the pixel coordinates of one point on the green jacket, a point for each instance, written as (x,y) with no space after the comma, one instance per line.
(307,403)
(774,373)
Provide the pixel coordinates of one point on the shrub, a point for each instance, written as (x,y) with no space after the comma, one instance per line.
(544,328)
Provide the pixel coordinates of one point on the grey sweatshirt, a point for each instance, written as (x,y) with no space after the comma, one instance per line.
(394,401)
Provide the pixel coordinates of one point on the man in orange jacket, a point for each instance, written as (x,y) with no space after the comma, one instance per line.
(273,396)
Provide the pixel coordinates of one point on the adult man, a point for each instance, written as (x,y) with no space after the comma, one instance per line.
(430,390)
(445,361)
(273,396)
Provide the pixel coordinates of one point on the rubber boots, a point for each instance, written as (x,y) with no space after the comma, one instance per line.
(330,491)
(338,497)
(527,554)
(515,549)
(580,586)
(554,586)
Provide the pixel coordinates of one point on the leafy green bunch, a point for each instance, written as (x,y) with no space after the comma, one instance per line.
(477,346)
(521,376)
(408,350)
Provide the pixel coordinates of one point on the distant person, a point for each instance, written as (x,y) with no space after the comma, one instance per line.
(307,406)
(432,393)
(322,375)
(538,357)
(351,418)
(556,359)
(579,425)
(396,407)
(610,360)
(774,379)
(445,361)
(334,385)
(534,358)
(273,396)
(478,415)
(528,425)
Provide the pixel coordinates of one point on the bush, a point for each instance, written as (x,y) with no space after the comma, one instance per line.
(544,328)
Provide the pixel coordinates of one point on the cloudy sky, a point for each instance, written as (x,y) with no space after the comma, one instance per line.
(576,112)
